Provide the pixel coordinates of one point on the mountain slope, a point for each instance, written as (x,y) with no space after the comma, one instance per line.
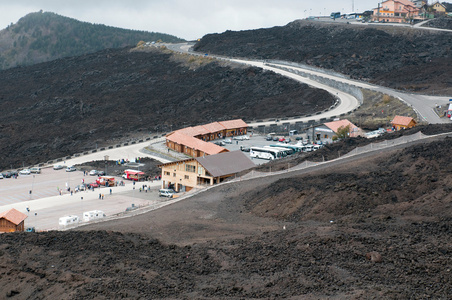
(398,57)
(45,36)
(66,106)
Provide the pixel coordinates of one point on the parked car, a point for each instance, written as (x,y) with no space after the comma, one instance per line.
(287,141)
(245,149)
(269,138)
(93,185)
(25,172)
(80,187)
(70,169)
(275,138)
(1,176)
(7,174)
(101,173)
(166,193)
(299,138)
(228,141)
(36,170)
(30,229)
(282,139)
(93,172)
(220,143)
(58,167)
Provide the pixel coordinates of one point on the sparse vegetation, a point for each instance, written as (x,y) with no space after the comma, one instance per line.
(45,36)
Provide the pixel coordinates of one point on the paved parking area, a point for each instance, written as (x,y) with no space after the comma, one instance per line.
(46,205)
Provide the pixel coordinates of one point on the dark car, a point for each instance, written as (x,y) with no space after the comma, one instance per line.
(245,149)
(268,138)
(101,173)
(275,138)
(7,174)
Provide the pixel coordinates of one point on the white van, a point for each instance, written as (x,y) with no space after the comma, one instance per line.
(68,220)
(166,193)
(93,215)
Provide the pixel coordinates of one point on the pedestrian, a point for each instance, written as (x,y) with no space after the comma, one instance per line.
(110,191)
(100,196)
(71,192)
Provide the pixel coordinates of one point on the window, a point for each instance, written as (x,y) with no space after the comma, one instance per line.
(186,177)
(174,174)
(167,173)
(190,168)
(200,170)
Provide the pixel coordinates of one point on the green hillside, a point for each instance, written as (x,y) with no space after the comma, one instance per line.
(45,36)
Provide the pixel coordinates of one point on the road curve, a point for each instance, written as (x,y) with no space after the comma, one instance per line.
(423,104)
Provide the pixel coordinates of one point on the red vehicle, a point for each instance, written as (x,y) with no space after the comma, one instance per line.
(282,139)
(106,181)
(93,185)
(134,175)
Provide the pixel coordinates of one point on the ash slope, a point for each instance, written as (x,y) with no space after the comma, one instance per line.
(397,204)
(397,57)
(66,106)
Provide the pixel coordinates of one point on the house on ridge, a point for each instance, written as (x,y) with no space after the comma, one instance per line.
(400,122)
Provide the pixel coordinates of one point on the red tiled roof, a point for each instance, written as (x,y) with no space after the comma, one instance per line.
(193,131)
(214,127)
(335,125)
(194,143)
(232,124)
(400,120)
(13,215)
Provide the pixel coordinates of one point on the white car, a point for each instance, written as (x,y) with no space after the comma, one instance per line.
(58,167)
(71,169)
(36,170)
(25,172)
(1,176)
(93,172)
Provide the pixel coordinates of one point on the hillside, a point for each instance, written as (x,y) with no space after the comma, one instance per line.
(45,36)
(398,57)
(369,228)
(67,106)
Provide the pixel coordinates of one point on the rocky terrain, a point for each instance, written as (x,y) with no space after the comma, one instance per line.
(398,57)
(371,227)
(441,23)
(67,106)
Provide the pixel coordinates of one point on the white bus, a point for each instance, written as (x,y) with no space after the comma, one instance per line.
(285,151)
(265,153)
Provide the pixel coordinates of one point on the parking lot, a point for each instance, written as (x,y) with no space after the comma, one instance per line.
(255,140)
(45,204)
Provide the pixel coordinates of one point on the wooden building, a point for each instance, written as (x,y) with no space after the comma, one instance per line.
(400,122)
(187,174)
(12,220)
(193,141)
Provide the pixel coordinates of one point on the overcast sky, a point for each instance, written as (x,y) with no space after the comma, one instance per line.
(188,19)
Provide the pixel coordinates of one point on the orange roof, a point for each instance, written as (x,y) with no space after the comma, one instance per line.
(194,143)
(214,127)
(404,121)
(13,215)
(232,124)
(335,125)
(193,131)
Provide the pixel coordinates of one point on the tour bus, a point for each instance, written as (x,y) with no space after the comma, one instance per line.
(294,148)
(265,153)
(285,150)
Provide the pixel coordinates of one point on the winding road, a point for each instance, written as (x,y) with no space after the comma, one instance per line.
(423,104)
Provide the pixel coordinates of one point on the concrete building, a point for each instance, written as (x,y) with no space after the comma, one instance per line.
(12,220)
(396,11)
(187,174)
(327,131)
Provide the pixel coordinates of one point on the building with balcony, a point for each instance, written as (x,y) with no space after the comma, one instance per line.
(184,175)
(397,11)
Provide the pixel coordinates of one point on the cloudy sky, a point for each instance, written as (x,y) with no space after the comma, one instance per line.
(188,19)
